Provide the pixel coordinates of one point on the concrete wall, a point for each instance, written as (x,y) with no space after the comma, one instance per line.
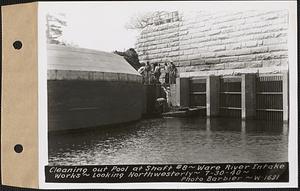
(77,104)
(221,42)
(92,76)
(88,88)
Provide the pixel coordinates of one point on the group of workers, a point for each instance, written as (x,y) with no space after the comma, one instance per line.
(151,73)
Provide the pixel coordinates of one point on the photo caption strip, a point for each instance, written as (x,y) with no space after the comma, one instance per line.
(197,173)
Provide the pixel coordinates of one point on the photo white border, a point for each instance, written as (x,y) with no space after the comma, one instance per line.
(293,105)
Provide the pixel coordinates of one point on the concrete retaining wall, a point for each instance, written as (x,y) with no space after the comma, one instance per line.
(88,88)
(92,76)
(243,42)
(78,104)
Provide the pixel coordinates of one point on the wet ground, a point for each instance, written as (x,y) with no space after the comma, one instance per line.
(173,140)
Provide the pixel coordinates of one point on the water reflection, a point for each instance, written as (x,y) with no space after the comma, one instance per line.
(173,140)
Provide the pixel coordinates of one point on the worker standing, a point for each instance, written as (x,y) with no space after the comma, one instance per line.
(157,73)
(142,71)
(167,72)
(147,73)
(173,73)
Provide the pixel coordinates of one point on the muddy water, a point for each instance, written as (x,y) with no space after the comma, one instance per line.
(173,140)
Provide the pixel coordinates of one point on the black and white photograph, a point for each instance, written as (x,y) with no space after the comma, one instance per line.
(165,86)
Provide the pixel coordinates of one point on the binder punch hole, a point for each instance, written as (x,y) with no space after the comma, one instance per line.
(18,148)
(17,45)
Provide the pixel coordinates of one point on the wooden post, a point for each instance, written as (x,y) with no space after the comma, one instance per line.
(183,92)
(285,96)
(212,96)
(248,96)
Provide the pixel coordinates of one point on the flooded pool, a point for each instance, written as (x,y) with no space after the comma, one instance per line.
(173,140)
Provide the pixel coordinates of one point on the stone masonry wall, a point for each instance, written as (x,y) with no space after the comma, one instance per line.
(246,41)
